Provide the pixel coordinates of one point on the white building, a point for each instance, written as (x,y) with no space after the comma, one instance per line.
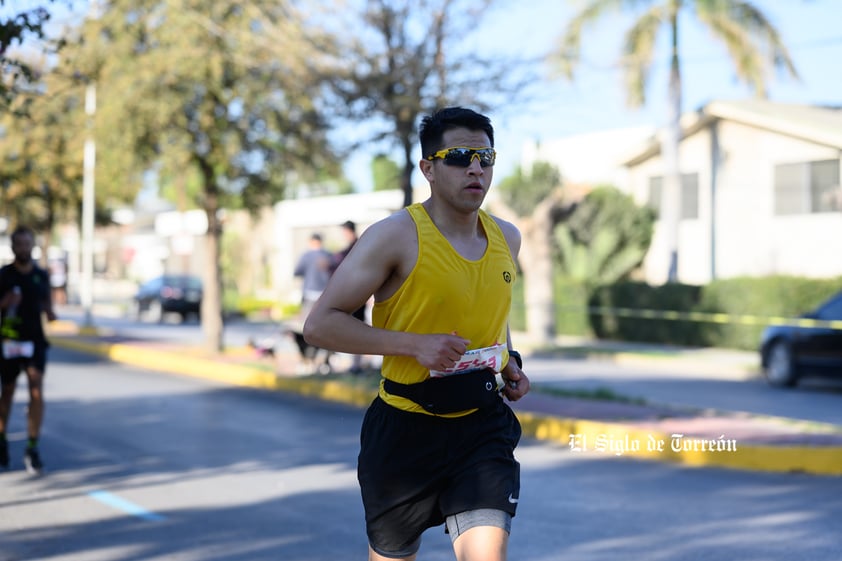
(296,220)
(761,188)
(761,192)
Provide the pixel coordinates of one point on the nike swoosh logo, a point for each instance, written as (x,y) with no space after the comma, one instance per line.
(512,499)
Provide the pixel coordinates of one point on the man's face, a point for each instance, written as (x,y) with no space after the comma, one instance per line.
(463,187)
(22,245)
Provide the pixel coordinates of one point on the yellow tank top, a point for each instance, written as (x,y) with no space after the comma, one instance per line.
(446,293)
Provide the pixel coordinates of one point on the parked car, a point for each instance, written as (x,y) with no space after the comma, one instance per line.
(788,353)
(179,294)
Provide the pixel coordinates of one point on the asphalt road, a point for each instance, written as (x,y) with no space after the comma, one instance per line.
(148,466)
(702,387)
(812,400)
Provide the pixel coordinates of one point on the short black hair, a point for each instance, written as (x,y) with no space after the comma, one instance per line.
(433,127)
(349,225)
(22,231)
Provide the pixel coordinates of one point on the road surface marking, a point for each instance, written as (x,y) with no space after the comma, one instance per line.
(126,506)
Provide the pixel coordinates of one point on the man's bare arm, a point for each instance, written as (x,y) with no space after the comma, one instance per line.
(517,383)
(376,265)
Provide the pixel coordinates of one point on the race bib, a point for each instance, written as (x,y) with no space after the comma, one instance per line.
(18,349)
(475,359)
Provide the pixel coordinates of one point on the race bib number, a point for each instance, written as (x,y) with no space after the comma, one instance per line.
(18,349)
(475,359)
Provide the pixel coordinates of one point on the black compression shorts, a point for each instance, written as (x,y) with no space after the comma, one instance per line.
(415,470)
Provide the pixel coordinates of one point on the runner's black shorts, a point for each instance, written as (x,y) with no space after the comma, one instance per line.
(415,470)
(12,367)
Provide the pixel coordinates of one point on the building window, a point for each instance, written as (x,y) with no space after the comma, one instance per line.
(689,194)
(807,187)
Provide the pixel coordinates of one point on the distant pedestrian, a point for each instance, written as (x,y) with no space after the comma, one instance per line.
(24,298)
(314,269)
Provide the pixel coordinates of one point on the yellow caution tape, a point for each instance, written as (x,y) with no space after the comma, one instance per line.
(712,317)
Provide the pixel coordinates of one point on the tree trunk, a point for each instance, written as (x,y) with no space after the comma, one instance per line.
(536,253)
(406,175)
(671,194)
(536,263)
(212,323)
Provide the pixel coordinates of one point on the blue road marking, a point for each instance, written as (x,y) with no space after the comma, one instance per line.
(126,506)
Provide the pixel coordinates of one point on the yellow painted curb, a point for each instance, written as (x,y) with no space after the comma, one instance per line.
(589,437)
(616,439)
(222,371)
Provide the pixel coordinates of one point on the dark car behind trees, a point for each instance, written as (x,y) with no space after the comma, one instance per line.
(175,294)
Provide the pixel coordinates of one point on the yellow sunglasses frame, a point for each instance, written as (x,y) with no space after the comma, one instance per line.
(442,154)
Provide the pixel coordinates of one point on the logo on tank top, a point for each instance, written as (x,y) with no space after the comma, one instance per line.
(507,276)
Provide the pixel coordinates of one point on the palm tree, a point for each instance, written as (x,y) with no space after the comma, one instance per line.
(753,43)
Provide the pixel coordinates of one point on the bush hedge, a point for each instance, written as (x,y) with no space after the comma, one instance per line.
(614,312)
(744,306)
(631,297)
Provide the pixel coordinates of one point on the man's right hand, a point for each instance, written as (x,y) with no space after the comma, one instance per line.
(440,351)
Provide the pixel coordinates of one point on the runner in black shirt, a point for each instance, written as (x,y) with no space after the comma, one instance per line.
(24,297)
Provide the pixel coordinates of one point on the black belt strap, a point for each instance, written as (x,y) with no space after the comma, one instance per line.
(449,394)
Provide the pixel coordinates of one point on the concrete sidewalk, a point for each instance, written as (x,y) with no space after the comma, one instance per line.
(587,426)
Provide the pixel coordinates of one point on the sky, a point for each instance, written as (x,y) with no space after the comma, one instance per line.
(595,101)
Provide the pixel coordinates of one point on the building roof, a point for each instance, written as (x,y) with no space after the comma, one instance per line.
(814,123)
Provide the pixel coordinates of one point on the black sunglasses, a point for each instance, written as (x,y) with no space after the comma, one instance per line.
(462,156)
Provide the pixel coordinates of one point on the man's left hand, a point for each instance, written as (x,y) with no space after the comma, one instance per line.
(516,382)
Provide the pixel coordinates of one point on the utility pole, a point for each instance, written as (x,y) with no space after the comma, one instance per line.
(88,202)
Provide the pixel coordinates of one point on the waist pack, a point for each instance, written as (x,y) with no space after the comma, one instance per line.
(450,394)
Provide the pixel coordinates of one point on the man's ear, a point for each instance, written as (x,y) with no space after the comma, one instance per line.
(426,167)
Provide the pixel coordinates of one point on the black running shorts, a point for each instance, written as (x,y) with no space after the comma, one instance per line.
(416,469)
(11,368)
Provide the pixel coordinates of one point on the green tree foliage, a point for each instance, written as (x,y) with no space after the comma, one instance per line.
(218,94)
(385,172)
(405,58)
(605,238)
(753,43)
(41,158)
(40,144)
(15,27)
(522,191)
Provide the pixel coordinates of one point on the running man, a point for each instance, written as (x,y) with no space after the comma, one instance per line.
(437,444)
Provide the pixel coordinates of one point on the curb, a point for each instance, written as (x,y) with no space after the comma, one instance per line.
(581,436)
(617,439)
